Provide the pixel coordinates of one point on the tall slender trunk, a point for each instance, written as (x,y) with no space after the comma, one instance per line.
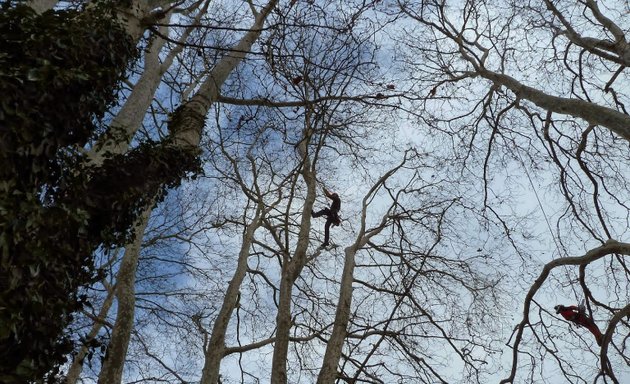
(283,325)
(76,367)
(291,269)
(125,124)
(185,134)
(328,371)
(216,346)
(111,371)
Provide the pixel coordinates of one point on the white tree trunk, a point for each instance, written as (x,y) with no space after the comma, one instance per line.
(132,18)
(111,371)
(129,119)
(127,122)
(594,114)
(328,372)
(41,6)
(291,269)
(216,347)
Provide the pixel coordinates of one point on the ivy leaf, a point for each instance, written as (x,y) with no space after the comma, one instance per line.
(34,74)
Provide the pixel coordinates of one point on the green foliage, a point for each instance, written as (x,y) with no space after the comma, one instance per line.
(58,73)
(115,193)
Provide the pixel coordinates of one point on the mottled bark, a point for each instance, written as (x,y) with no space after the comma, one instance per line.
(216,347)
(594,114)
(328,371)
(291,269)
(189,120)
(283,325)
(41,6)
(111,371)
(133,18)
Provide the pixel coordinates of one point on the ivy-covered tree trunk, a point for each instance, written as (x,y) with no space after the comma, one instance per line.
(116,142)
(74,372)
(53,87)
(57,81)
(54,209)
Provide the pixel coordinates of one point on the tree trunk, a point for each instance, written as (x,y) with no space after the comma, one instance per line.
(123,128)
(129,119)
(41,6)
(283,325)
(186,128)
(216,346)
(291,269)
(111,371)
(189,119)
(133,18)
(77,364)
(594,114)
(328,372)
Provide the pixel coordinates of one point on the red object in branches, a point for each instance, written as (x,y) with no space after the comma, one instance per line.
(577,316)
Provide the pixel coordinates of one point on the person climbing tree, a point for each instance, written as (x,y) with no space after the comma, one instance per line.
(332,214)
(578,316)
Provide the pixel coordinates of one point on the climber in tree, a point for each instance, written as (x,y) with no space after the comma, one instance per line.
(578,316)
(332,214)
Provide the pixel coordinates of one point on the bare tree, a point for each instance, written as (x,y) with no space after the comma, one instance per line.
(328,373)
(538,88)
(303,337)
